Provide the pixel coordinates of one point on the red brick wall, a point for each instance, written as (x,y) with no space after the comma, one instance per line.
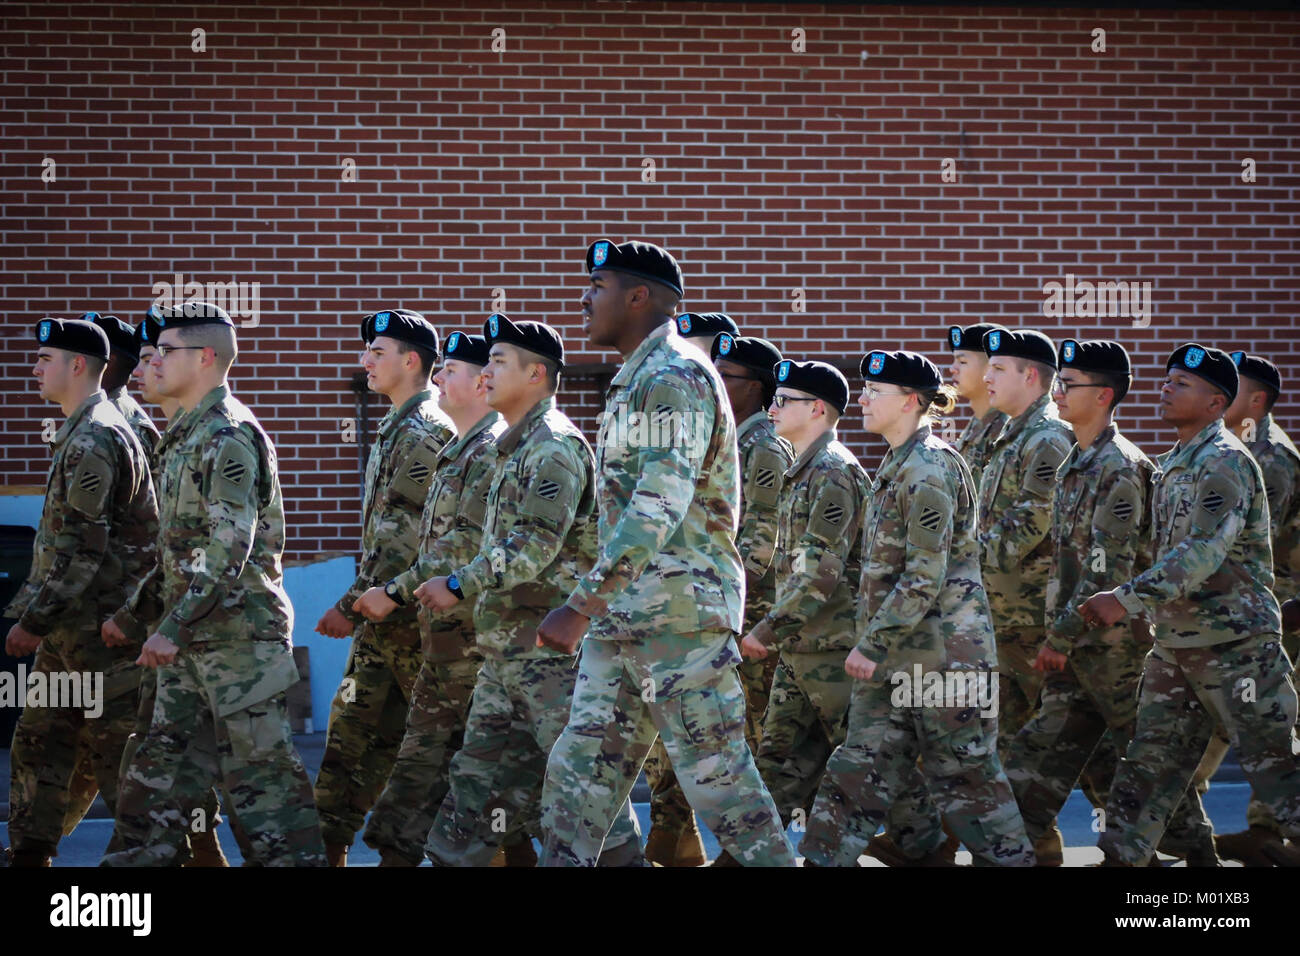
(775,170)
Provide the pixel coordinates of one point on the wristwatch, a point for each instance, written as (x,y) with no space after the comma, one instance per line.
(453,585)
(394,595)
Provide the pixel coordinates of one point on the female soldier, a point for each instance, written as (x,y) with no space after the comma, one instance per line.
(923,664)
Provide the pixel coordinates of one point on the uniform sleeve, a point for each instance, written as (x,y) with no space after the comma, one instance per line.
(397,525)
(81,539)
(929,510)
(1279,485)
(1221,501)
(764,471)
(143,607)
(1115,540)
(817,559)
(1021,527)
(665,486)
(228,488)
(554,481)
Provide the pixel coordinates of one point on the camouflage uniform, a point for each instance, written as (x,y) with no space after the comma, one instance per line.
(921,606)
(450,535)
(1100,537)
(1218,653)
(975,444)
(665,598)
(536,543)
(812,621)
(221,709)
(764,457)
(368,713)
(1014,518)
(141,424)
(95,542)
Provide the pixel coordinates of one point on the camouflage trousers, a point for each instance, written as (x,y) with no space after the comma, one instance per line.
(220,714)
(877,765)
(435,729)
(684,687)
(51,742)
(1246,687)
(366,727)
(805,723)
(1019,685)
(519,710)
(669,809)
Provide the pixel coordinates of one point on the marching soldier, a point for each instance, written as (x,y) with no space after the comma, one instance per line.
(969,363)
(368,714)
(1218,652)
(222,642)
(811,622)
(664,600)
(95,542)
(922,616)
(536,543)
(702,328)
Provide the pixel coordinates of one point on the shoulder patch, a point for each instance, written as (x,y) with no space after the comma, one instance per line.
(1041,466)
(234,472)
(414,473)
(929,518)
(554,492)
(832,512)
(1119,514)
(89,485)
(1216,495)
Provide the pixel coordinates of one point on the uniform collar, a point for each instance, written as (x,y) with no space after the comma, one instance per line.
(895,457)
(117,394)
(1080,458)
(1016,424)
(516,432)
(89,402)
(640,354)
(395,415)
(453,448)
(809,453)
(1183,452)
(209,401)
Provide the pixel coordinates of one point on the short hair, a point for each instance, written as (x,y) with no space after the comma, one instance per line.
(428,358)
(1046,374)
(1119,384)
(94,365)
(1257,386)
(219,338)
(663,297)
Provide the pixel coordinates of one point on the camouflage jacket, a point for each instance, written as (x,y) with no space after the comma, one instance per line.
(1101,535)
(975,443)
(763,460)
(97,537)
(539,531)
(219,578)
(921,600)
(819,551)
(398,474)
(451,533)
(1280,463)
(1015,513)
(667,561)
(145,430)
(1211,578)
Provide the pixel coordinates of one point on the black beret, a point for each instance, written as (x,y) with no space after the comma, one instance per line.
(757,355)
(533,336)
(816,378)
(190,314)
(1020,343)
(1258,369)
(403,325)
(146,333)
(466,348)
(121,337)
(73,335)
(905,369)
(698,324)
(971,338)
(1098,355)
(1208,363)
(643,259)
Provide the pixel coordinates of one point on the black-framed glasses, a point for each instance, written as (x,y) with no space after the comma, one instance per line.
(166,350)
(1062,386)
(780,400)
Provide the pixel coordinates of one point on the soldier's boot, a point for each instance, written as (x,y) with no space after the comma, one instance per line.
(948,852)
(686,850)
(1248,845)
(661,846)
(30,858)
(205,850)
(1049,849)
(390,857)
(1282,854)
(336,854)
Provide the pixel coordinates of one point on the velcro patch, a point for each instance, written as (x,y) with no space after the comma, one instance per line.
(1216,496)
(234,471)
(765,478)
(89,485)
(929,516)
(931,519)
(834,513)
(1044,460)
(232,477)
(548,489)
(419,472)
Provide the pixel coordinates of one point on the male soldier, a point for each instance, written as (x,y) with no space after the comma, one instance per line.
(746,368)
(812,619)
(1218,653)
(1015,513)
(536,543)
(1099,539)
(451,532)
(222,645)
(701,328)
(664,600)
(368,714)
(969,363)
(124,357)
(94,544)
(1250,417)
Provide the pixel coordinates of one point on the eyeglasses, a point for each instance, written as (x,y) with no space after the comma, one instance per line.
(166,350)
(874,393)
(780,400)
(1063,387)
